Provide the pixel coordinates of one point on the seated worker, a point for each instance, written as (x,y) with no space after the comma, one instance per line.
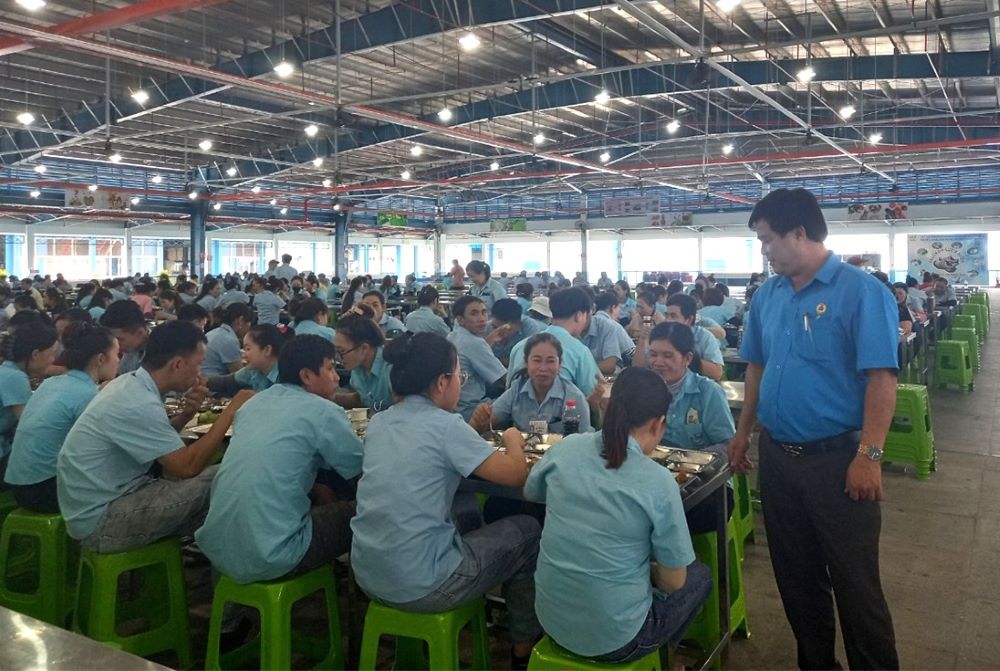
(698,416)
(358,346)
(311,318)
(91,355)
(427,317)
(107,496)
(715,307)
(906,318)
(536,396)
(606,338)
(225,344)
(261,346)
(539,311)
(407,551)
(376,301)
(233,293)
(524,292)
(99,302)
(625,300)
(484,286)
(644,315)
(194,313)
(607,308)
(127,323)
(208,297)
(507,314)
(682,308)
(168,303)
(260,525)
(633,586)
(28,352)
(143,296)
(943,293)
(484,372)
(571,310)
(266,301)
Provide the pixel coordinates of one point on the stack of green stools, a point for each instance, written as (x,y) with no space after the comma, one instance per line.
(982,298)
(981,312)
(274,601)
(161,603)
(911,436)
(969,336)
(548,656)
(968,321)
(706,629)
(438,630)
(952,364)
(38,565)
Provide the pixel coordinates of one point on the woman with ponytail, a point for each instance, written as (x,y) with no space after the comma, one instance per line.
(27,353)
(407,550)
(599,598)
(91,355)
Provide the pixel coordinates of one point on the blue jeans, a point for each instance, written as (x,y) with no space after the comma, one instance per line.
(502,552)
(668,617)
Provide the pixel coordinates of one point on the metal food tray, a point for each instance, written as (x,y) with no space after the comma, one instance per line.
(202,429)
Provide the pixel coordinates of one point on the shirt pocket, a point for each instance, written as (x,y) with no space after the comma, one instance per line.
(817,337)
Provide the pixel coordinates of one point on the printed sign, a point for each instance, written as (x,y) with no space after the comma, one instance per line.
(502,225)
(102,199)
(391,219)
(959,258)
(877,211)
(672,219)
(626,207)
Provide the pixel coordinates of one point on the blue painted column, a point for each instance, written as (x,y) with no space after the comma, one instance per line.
(92,248)
(399,260)
(340,235)
(216,264)
(199,219)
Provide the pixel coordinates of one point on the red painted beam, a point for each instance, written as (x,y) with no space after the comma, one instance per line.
(115,18)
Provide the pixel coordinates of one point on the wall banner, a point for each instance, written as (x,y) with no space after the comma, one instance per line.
(959,258)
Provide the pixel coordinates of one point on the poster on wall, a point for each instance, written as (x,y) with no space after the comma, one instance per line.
(672,219)
(102,199)
(391,219)
(959,258)
(877,211)
(624,207)
(503,225)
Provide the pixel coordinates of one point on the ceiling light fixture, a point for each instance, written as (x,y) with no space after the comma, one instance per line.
(445,115)
(406,174)
(35,193)
(140,96)
(156,179)
(539,138)
(284,210)
(602,97)
(327,182)
(311,130)
(231,171)
(205,145)
(115,158)
(673,126)
(193,195)
(727,149)
(847,111)
(469,42)
(318,161)
(92,188)
(806,74)
(875,137)
(26,118)
(494,166)
(40,169)
(31,5)
(605,157)
(273,201)
(216,206)
(135,200)
(416,150)
(336,207)
(255,189)
(284,69)
(726,6)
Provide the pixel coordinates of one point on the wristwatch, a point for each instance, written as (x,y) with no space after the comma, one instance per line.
(873,452)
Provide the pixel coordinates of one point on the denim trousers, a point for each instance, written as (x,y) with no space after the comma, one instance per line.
(668,617)
(157,509)
(500,553)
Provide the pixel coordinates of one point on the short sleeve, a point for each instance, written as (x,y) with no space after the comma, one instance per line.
(463,448)
(607,345)
(503,407)
(229,350)
(710,348)
(876,328)
(586,378)
(717,418)
(516,361)
(340,447)
(536,487)
(244,377)
(670,539)
(16,390)
(486,366)
(750,347)
(149,439)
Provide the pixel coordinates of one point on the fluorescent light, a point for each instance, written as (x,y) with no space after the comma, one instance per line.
(115,158)
(445,115)
(336,207)
(284,69)
(35,193)
(495,165)
(311,130)
(406,174)
(205,145)
(26,118)
(602,97)
(31,5)
(140,97)
(284,210)
(727,149)
(847,111)
(539,138)
(256,189)
(327,182)
(193,195)
(40,169)
(469,42)
(156,179)
(273,201)
(875,137)
(318,161)
(605,157)
(135,200)
(727,6)
(216,206)
(806,74)
(673,126)
(416,150)
(231,171)
(92,187)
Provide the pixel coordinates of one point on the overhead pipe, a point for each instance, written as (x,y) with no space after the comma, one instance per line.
(115,18)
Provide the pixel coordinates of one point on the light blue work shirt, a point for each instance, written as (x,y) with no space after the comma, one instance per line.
(208,301)
(258,525)
(47,418)
(699,416)
(310,327)
(96,312)
(717,313)
(268,306)
(425,320)
(15,389)
(405,544)
(480,363)
(592,597)
(815,345)
(706,345)
(578,365)
(233,296)
(390,323)
(251,378)
(603,340)
(223,349)
(109,451)
(286,272)
(528,328)
(625,342)
(525,305)
(131,361)
(519,405)
(85,301)
(489,293)
(373,387)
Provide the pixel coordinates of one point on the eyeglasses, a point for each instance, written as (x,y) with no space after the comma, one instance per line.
(340,353)
(463,377)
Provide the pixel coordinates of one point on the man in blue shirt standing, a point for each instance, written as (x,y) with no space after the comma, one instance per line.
(821,342)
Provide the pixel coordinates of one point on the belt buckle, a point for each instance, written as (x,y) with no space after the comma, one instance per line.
(792,450)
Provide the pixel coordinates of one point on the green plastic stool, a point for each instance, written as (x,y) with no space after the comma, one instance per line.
(743,512)
(547,655)
(952,364)
(982,298)
(44,588)
(911,435)
(706,629)
(162,601)
(274,600)
(969,336)
(969,320)
(8,504)
(439,630)
(980,312)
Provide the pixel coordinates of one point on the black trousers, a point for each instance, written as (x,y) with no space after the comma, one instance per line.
(824,545)
(39,497)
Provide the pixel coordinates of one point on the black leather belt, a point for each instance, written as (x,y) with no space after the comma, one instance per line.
(838,443)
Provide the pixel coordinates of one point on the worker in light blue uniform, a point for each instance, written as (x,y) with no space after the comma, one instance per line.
(425,319)
(376,301)
(91,355)
(233,293)
(260,524)
(571,311)
(358,345)
(625,300)
(311,319)
(606,338)
(612,313)
(507,314)
(261,346)
(683,309)
(484,370)
(484,286)
(224,352)
(595,597)
(536,398)
(715,307)
(265,301)
(26,353)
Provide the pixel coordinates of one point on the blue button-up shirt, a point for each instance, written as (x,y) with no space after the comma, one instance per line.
(258,525)
(251,378)
(425,320)
(699,416)
(15,389)
(268,306)
(577,365)
(604,340)
(593,597)
(480,363)
(815,345)
(490,292)
(519,405)
(389,323)
(529,327)
(374,386)
(309,327)
(223,349)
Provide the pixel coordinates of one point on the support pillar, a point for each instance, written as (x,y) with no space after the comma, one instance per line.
(619,245)
(892,256)
(378,251)
(548,254)
(340,246)
(129,261)
(584,239)
(440,243)
(199,219)
(29,248)
(701,252)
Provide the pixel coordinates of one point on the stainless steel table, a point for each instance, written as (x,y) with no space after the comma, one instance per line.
(735,393)
(27,643)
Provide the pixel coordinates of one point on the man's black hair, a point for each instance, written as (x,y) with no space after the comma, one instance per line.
(784,210)
(567,302)
(169,340)
(303,351)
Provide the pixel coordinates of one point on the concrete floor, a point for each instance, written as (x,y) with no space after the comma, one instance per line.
(940,550)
